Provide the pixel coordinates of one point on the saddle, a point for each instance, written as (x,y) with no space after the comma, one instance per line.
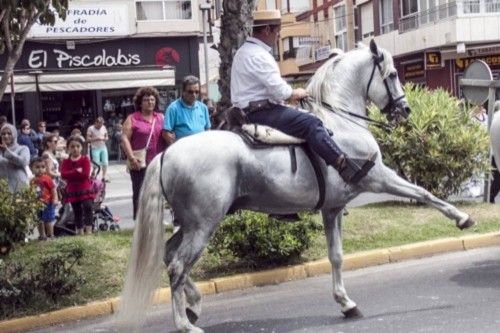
(261,136)
(254,134)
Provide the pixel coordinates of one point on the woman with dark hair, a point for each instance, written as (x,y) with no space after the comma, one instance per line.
(142,130)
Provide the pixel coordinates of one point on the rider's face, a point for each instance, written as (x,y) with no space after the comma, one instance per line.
(272,33)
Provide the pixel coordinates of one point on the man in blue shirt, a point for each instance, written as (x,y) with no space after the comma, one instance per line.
(186,115)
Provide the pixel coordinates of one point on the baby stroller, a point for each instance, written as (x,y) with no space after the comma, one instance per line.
(103,219)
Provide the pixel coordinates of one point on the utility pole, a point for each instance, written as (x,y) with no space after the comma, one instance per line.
(12,99)
(205,9)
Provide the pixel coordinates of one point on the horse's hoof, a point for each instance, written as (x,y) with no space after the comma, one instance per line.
(193,317)
(353,313)
(466,224)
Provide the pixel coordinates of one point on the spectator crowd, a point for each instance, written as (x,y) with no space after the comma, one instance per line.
(63,170)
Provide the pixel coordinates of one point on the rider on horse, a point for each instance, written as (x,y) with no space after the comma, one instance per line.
(258,89)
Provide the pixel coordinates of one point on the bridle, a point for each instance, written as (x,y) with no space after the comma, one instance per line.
(377,59)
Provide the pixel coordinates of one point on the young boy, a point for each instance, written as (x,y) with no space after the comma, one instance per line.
(47,193)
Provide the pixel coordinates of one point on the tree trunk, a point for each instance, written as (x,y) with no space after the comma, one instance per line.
(236,26)
(8,70)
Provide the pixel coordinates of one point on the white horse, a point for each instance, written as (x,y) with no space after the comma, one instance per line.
(495,133)
(205,176)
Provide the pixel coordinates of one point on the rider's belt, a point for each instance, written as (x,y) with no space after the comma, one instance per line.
(257,105)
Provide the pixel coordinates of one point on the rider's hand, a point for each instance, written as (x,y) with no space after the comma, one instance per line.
(298,94)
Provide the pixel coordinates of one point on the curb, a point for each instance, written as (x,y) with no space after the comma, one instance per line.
(269,277)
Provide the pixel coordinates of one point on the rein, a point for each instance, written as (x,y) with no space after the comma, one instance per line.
(380,124)
(376,123)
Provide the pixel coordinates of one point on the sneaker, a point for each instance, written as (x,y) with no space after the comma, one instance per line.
(42,238)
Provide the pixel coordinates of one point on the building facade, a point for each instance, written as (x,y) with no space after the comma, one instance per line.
(311,29)
(434,41)
(93,62)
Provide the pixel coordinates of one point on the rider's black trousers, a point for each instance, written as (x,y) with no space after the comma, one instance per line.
(302,125)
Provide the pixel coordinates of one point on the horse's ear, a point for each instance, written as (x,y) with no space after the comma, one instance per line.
(373,47)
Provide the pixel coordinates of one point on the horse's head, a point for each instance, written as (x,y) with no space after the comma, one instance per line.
(384,88)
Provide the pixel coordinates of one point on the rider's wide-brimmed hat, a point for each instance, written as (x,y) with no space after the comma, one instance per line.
(266,17)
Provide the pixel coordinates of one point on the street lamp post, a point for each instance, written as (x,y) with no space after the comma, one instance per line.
(12,98)
(205,8)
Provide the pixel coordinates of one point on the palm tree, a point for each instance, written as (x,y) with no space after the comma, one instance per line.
(236,25)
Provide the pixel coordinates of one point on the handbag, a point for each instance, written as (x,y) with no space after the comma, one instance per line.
(140,154)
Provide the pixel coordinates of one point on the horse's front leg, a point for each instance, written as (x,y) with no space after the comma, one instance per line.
(332,220)
(391,183)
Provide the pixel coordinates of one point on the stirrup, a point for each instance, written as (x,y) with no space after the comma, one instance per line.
(355,169)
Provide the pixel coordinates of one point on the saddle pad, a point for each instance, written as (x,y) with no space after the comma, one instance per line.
(270,135)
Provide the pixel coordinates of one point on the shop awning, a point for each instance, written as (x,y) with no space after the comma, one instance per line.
(94,81)
(22,83)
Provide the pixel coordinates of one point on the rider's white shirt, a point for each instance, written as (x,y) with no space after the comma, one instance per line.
(255,75)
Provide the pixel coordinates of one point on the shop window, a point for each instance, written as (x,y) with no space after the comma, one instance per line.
(163,10)
(295,6)
(386,17)
(408,7)
(367,18)
(340,27)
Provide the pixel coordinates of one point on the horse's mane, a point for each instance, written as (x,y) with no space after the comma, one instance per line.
(325,87)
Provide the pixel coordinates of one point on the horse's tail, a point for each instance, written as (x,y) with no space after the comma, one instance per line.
(145,259)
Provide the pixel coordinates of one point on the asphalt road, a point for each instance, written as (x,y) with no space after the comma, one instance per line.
(457,292)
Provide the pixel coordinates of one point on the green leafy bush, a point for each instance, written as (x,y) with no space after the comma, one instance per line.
(261,241)
(52,279)
(439,147)
(18,216)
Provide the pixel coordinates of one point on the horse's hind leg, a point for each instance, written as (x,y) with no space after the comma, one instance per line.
(332,220)
(181,252)
(393,184)
(193,299)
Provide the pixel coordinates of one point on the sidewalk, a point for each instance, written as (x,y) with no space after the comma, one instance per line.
(120,186)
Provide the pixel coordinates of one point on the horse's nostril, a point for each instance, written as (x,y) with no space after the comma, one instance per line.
(407,110)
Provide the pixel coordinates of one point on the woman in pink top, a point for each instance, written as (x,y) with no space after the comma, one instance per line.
(136,131)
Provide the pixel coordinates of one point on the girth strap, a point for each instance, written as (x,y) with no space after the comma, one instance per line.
(320,177)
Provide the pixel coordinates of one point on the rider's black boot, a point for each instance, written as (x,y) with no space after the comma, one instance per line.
(352,170)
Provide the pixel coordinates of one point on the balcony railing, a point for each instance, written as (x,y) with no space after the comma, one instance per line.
(451,9)
(428,16)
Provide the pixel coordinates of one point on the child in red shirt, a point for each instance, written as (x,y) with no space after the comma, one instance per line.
(47,193)
(75,170)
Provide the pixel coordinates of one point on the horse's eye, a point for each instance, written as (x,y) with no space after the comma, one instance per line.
(393,75)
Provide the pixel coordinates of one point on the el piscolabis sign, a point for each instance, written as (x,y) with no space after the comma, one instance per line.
(105,58)
(87,20)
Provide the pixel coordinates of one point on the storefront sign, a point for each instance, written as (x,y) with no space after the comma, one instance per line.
(302,41)
(433,60)
(322,53)
(87,20)
(493,61)
(39,59)
(129,54)
(414,70)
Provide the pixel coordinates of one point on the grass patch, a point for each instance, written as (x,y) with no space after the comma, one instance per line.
(365,228)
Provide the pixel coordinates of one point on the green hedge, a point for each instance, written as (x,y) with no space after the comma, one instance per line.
(18,216)
(439,147)
(261,241)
